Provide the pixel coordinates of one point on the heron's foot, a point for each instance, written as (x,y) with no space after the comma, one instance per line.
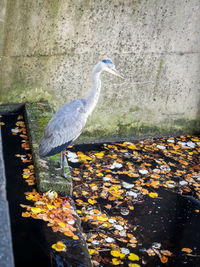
(70,168)
(66,175)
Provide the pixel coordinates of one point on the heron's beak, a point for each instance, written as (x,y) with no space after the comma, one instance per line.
(116,73)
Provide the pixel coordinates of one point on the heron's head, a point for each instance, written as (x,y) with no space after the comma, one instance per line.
(109,66)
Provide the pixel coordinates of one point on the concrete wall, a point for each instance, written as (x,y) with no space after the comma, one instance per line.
(49,49)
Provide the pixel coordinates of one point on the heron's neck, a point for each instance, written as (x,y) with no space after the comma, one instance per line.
(93,96)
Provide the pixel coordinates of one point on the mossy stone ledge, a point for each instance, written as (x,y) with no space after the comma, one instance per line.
(48,175)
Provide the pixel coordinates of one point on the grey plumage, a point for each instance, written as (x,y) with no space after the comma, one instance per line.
(64,127)
(68,122)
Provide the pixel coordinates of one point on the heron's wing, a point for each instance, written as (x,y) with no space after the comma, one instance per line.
(65,126)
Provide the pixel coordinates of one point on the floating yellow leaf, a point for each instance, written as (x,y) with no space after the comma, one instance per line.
(84,193)
(133,265)
(153,195)
(75,237)
(115,253)
(122,256)
(29,197)
(99,154)
(25,176)
(61,224)
(132,146)
(59,246)
(116,261)
(91,201)
(133,257)
(102,218)
(83,157)
(91,251)
(100,174)
(36,210)
(50,207)
(31,167)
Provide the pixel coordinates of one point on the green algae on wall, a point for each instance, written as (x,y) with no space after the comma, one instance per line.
(138,129)
(50,47)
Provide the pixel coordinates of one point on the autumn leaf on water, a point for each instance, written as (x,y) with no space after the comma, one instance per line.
(31,167)
(102,218)
(153,195)
(26,214)
(145,162)
(117,254)
(75,237)
(99,154)
(20,123)
(133,257)
(187,250)
(83,157)
(108,206)
(59,246)
(92,251)
(116,261)
(36,210)
(100,174)
(92,201)
(164,259)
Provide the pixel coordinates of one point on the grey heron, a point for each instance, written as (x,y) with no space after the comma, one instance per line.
(68,122)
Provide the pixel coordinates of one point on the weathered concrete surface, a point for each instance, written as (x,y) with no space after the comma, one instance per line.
(50,47)
(48,176)
(6,251)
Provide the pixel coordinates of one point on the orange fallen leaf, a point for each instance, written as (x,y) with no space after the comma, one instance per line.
(68,233)
(187,250)
(59,246)
(164,259)
(108,206)
(26,214)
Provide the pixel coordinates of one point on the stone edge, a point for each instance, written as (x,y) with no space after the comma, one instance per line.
(6,249)
(47,176)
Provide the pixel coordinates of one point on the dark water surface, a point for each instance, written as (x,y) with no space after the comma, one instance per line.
(32,239)
(29,244)
(171,221)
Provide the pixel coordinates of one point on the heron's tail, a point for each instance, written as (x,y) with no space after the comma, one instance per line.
(45,150)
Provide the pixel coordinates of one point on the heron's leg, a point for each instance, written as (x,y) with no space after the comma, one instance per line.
(61,159)
(64,165)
